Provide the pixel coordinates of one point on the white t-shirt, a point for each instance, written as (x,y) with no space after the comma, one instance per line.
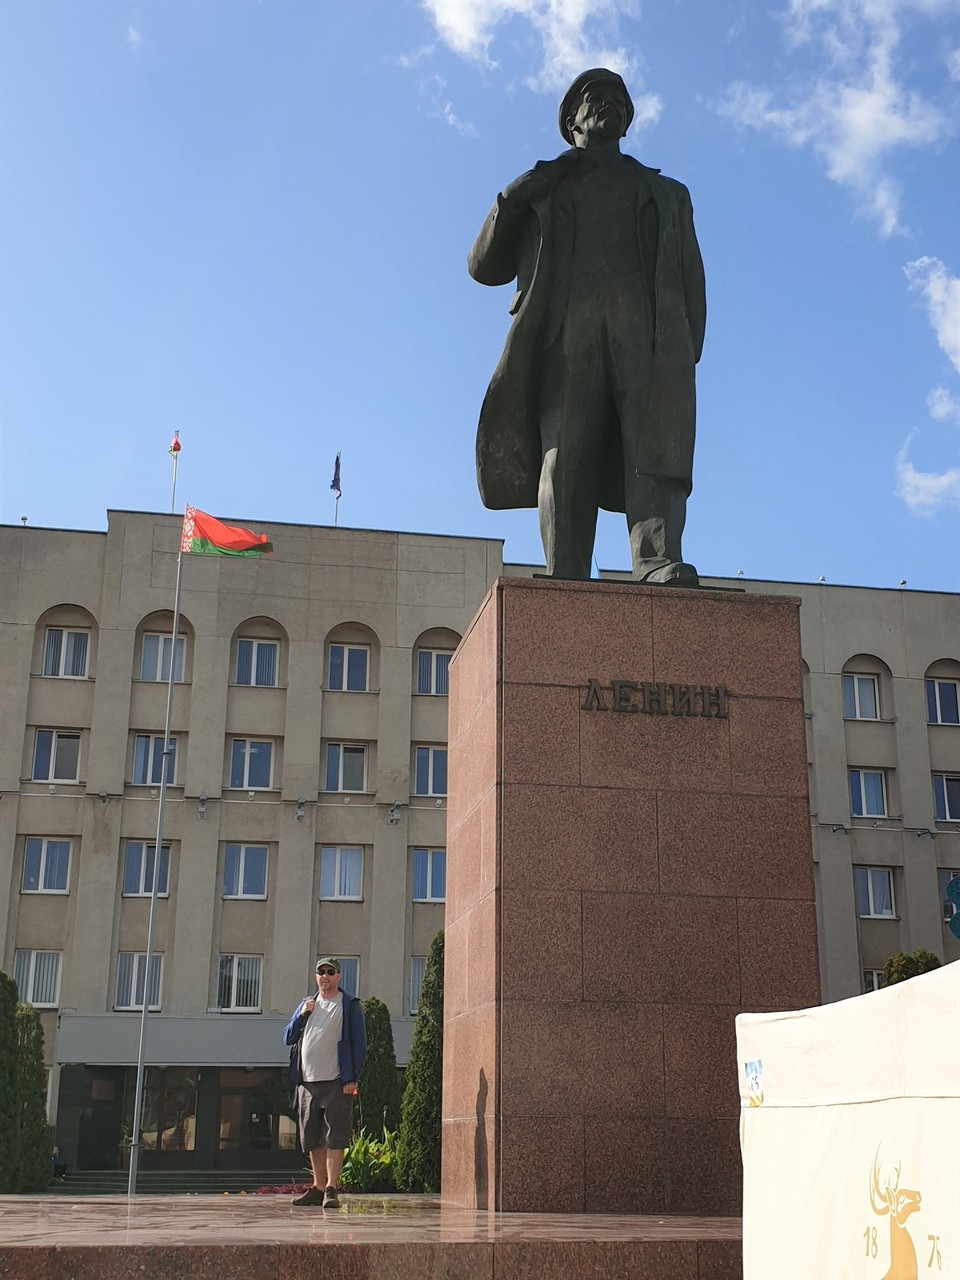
(321,1035)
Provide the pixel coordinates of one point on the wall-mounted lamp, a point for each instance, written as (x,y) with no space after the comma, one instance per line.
(393,813)
(925,831)
(202,805)
(438,804)
(154,792)
(251,795)
(300,804)
(102,793)
(52,788)
(837,827)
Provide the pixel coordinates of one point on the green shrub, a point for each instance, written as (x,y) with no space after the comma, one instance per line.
(370,1165)
(33,1160)
(418,1161)
(9,1120)
(378,1103)
(907,965)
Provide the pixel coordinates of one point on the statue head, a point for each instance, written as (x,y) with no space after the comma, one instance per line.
(596,107)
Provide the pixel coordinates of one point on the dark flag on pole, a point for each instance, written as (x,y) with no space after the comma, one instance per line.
(335,482)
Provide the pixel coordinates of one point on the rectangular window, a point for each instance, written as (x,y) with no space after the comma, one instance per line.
(139,859)
(868,793)
(349,973)
(348,667)
(429,875)
(946,797)
(131,968)
(148,760)
(418,965)
(155,658)
(46,865)
(56,756)
(341,873)
(860,699)
(251,764)
(65,653)
(37,975)
(346,768)
(432,667)
(947,907)
(872,979)
(943,703)
(238,986)
(430,773)
(257,662)
(245,871)
(874,891)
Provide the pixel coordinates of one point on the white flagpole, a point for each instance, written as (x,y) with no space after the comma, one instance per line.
(157,854)
(176,459)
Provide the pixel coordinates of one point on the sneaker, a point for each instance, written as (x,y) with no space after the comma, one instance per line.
(330,1200)
(312,1195)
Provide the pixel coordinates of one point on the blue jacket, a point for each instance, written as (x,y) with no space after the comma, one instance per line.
(351,1049)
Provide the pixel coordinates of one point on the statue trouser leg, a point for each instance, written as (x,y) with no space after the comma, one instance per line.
(656,514)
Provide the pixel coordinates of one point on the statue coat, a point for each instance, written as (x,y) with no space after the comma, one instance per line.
(523,245)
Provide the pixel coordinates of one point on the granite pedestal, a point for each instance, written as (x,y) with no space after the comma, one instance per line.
(629,866)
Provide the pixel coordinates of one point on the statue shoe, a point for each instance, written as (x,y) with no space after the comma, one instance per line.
(676,574)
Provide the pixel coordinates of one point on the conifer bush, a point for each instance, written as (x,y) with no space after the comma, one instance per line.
(33,1160)
(907,965)
(379,1100)
(9,1124)
(418,1156)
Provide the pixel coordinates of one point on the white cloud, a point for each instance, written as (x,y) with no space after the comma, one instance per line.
(433,93)
(134,39)
(573,34)
(408,60)
(855,109)
(462,126)
(953,64)
(943,406)
(930,277)
(925,492)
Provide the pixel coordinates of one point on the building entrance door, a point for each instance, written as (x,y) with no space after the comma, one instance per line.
(256,1125)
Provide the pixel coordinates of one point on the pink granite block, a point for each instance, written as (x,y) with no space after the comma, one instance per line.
(778,954)
(174,1262)
(576,1058)
(706,1174)
(596,1260)
(473,762)
(768,747)
(625,1160)
(473,669)
(483,952)
(700,1060)
(597,634)
(464,864)
(540,736)
(735,845)
(409,1260)
(455,939)
(540,945)
(557,837)
(469,1162)
(662,949)
(31,1264)
(719,1260)
(470,1063)
(654,752)
(541,1164)
(750,644)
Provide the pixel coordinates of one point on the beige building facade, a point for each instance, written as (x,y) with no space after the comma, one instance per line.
(306,801)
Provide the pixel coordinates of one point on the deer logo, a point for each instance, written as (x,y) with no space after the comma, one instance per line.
(899,1203)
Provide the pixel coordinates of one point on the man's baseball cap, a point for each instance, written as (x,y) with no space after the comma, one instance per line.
(572,97)
(332,961)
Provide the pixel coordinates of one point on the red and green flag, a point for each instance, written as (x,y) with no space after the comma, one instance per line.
(205,536)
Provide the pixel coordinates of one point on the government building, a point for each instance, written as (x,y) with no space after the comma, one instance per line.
(306,796)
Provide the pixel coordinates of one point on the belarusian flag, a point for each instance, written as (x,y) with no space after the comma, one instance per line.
(205,536)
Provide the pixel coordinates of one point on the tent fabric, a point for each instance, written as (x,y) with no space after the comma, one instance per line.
(849,1126)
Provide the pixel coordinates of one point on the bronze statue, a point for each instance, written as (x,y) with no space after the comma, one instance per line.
(593,401)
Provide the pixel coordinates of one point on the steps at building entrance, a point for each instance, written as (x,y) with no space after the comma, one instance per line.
(157,1182)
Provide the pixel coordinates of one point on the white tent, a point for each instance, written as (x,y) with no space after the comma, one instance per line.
(850,1132)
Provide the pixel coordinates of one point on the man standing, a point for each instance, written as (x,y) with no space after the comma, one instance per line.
(329,1049)
(593,401)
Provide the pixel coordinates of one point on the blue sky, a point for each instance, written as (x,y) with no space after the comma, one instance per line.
(248,221)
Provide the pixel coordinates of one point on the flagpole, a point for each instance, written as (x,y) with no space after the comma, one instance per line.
(336,509)
(157,855)
(175,450)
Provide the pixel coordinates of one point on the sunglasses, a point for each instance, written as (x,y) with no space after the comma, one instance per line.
(326,973)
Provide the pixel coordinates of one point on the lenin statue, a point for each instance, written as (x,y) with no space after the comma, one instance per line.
(593,402)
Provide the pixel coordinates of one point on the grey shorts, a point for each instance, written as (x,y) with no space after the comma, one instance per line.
(326,1115)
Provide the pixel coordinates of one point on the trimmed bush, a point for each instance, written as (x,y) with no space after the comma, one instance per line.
(33,1163)
(418,1156)
(9,1126)
(907,965)
(379,1102)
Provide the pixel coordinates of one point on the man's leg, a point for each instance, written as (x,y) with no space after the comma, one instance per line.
(318,1163)
(334,1165)
(656,514)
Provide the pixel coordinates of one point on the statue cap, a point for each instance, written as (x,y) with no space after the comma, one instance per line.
(572,96)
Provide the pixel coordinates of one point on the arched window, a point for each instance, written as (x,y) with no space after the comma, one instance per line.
(155,645)
(258,654)
(351,659)
(431,661)
(65,643)
(866,688)
(942,689)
